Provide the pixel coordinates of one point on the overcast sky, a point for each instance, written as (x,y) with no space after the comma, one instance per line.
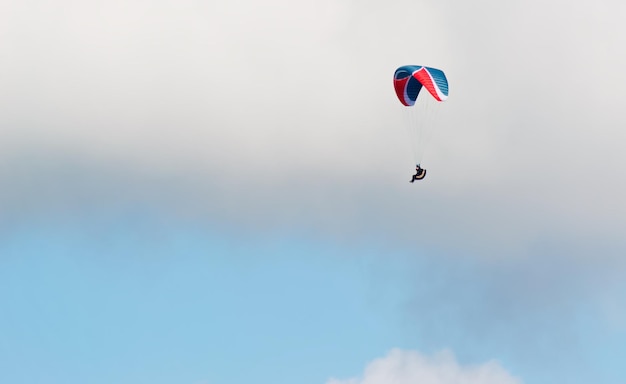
(278,119)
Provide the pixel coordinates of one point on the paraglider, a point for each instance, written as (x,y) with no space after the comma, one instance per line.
(419,173)
(420,108)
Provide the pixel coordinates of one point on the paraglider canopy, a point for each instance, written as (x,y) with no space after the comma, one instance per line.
(408,81)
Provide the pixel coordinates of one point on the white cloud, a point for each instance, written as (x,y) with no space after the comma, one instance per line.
(296,98)
(411,367)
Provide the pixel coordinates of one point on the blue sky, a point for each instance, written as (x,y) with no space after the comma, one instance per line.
(194,305)
(217,192)
(126,300)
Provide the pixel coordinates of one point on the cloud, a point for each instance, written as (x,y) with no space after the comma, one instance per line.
(296,101)
(408,367)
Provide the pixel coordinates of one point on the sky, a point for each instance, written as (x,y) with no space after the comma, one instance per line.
(217,192)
